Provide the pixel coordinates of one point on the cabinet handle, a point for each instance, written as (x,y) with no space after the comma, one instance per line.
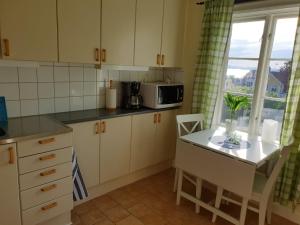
(163,59)
(6,47)
(46,141)
(159,118)
(98,128)
(97,54)
(103,55)
(47,157)
(11,155)
(50,206)
(155,118)
(47,173)
(48,188)
(158,59)
(103,126)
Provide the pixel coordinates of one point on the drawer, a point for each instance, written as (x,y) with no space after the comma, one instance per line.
(44,193)
(44,176)
(40,145)
(44,160)
(47,210)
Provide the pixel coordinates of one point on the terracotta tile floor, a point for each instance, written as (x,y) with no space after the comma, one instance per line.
(151,202)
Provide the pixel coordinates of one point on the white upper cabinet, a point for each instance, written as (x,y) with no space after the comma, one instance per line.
(172,36)
(79,31)
(28,30)
(149,17)
(117,35)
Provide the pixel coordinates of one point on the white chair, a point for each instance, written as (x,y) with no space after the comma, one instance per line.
(263,189)
(189,123)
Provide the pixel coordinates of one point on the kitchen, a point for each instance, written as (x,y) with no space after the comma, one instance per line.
(90,92)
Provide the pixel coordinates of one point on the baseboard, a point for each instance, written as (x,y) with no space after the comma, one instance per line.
(287,212)
(123,181)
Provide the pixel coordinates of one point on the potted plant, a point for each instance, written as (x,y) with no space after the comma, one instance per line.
(234,103)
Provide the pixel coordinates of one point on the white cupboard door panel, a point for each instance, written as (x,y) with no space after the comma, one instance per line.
(143,141)
(165,136)
(117,36)
(30,28)
(86,145)
(173,30)
(79,31)
(149,20)
(9,188)
(115,148)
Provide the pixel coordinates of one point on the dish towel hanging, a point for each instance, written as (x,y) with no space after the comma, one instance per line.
(79,189)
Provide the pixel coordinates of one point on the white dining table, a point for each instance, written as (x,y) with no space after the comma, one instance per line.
(205,155)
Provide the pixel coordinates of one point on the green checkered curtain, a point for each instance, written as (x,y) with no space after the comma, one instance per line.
(286,188)
(215,35)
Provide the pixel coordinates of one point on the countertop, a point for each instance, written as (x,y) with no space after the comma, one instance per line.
(24,128)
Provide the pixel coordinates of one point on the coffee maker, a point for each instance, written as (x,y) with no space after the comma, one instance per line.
(131,99)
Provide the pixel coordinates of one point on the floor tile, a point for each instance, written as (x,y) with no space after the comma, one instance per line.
(130,220)
(116,214)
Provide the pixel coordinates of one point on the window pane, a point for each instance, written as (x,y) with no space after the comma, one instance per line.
(278,79)
(273,110)
(246,39)
(241,76)
(242,117)
(284,38)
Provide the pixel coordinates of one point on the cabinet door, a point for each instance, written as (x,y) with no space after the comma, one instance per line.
(86,145)
(149,15)
(165,138)
(30,29)
(143,141)
(117,31)
(79,31)
(172,35)
(9,188)
(115,148)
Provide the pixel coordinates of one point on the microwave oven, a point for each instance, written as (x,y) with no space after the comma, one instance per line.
(162,95)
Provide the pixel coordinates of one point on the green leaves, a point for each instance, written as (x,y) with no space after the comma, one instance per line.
(236,103)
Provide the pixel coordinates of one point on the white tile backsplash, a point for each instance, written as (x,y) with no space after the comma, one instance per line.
(61,87)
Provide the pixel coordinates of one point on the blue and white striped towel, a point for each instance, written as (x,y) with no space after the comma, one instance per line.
(79,189)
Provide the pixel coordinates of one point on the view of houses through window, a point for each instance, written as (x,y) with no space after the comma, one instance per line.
(260,69)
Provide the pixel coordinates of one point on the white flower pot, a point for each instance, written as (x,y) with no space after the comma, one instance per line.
(230,126)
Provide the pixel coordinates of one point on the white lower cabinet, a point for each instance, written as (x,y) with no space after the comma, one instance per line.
(9,189)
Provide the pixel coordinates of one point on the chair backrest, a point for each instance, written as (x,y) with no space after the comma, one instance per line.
(277,168)
(197,119)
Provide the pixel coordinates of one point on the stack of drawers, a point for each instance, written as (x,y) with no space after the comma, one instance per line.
(45,169)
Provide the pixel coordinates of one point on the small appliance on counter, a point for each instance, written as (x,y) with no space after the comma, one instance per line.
(131,98)
(160,95)
(3,112)
(111,98)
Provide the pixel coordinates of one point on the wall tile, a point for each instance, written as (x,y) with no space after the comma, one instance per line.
(45,74)
(46,106)
(76,103)
(101,101)
(8,74)
(114,75)
(101,88)
(102,75)
(89,88)
(10,91)
(29,107)
(46,90)
(76,89)
(124,75)
(61,74)
(62,89)
(89,102)
(76,73)
(27,75)
(62,104)
(89,74)
(28,91)
(13,108)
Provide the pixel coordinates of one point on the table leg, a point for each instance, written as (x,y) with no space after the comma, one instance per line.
(198,192)
(243,211)
(218,202)
(179,186)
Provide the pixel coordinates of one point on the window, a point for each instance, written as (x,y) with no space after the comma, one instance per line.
(258,66)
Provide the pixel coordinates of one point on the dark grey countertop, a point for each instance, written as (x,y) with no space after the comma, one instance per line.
(24,128)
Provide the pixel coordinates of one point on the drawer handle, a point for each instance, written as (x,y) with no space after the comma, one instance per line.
(98,128)
(97,54)
(158,59)
(50,206)
(103,126)
(155,118)
(46,141)
(48,188)
(163,59)
(159,118)
(48,172)
(103,55)
(47,157)
(6,47)
(11,155)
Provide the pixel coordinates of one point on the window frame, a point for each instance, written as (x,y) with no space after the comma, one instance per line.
(270,17)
